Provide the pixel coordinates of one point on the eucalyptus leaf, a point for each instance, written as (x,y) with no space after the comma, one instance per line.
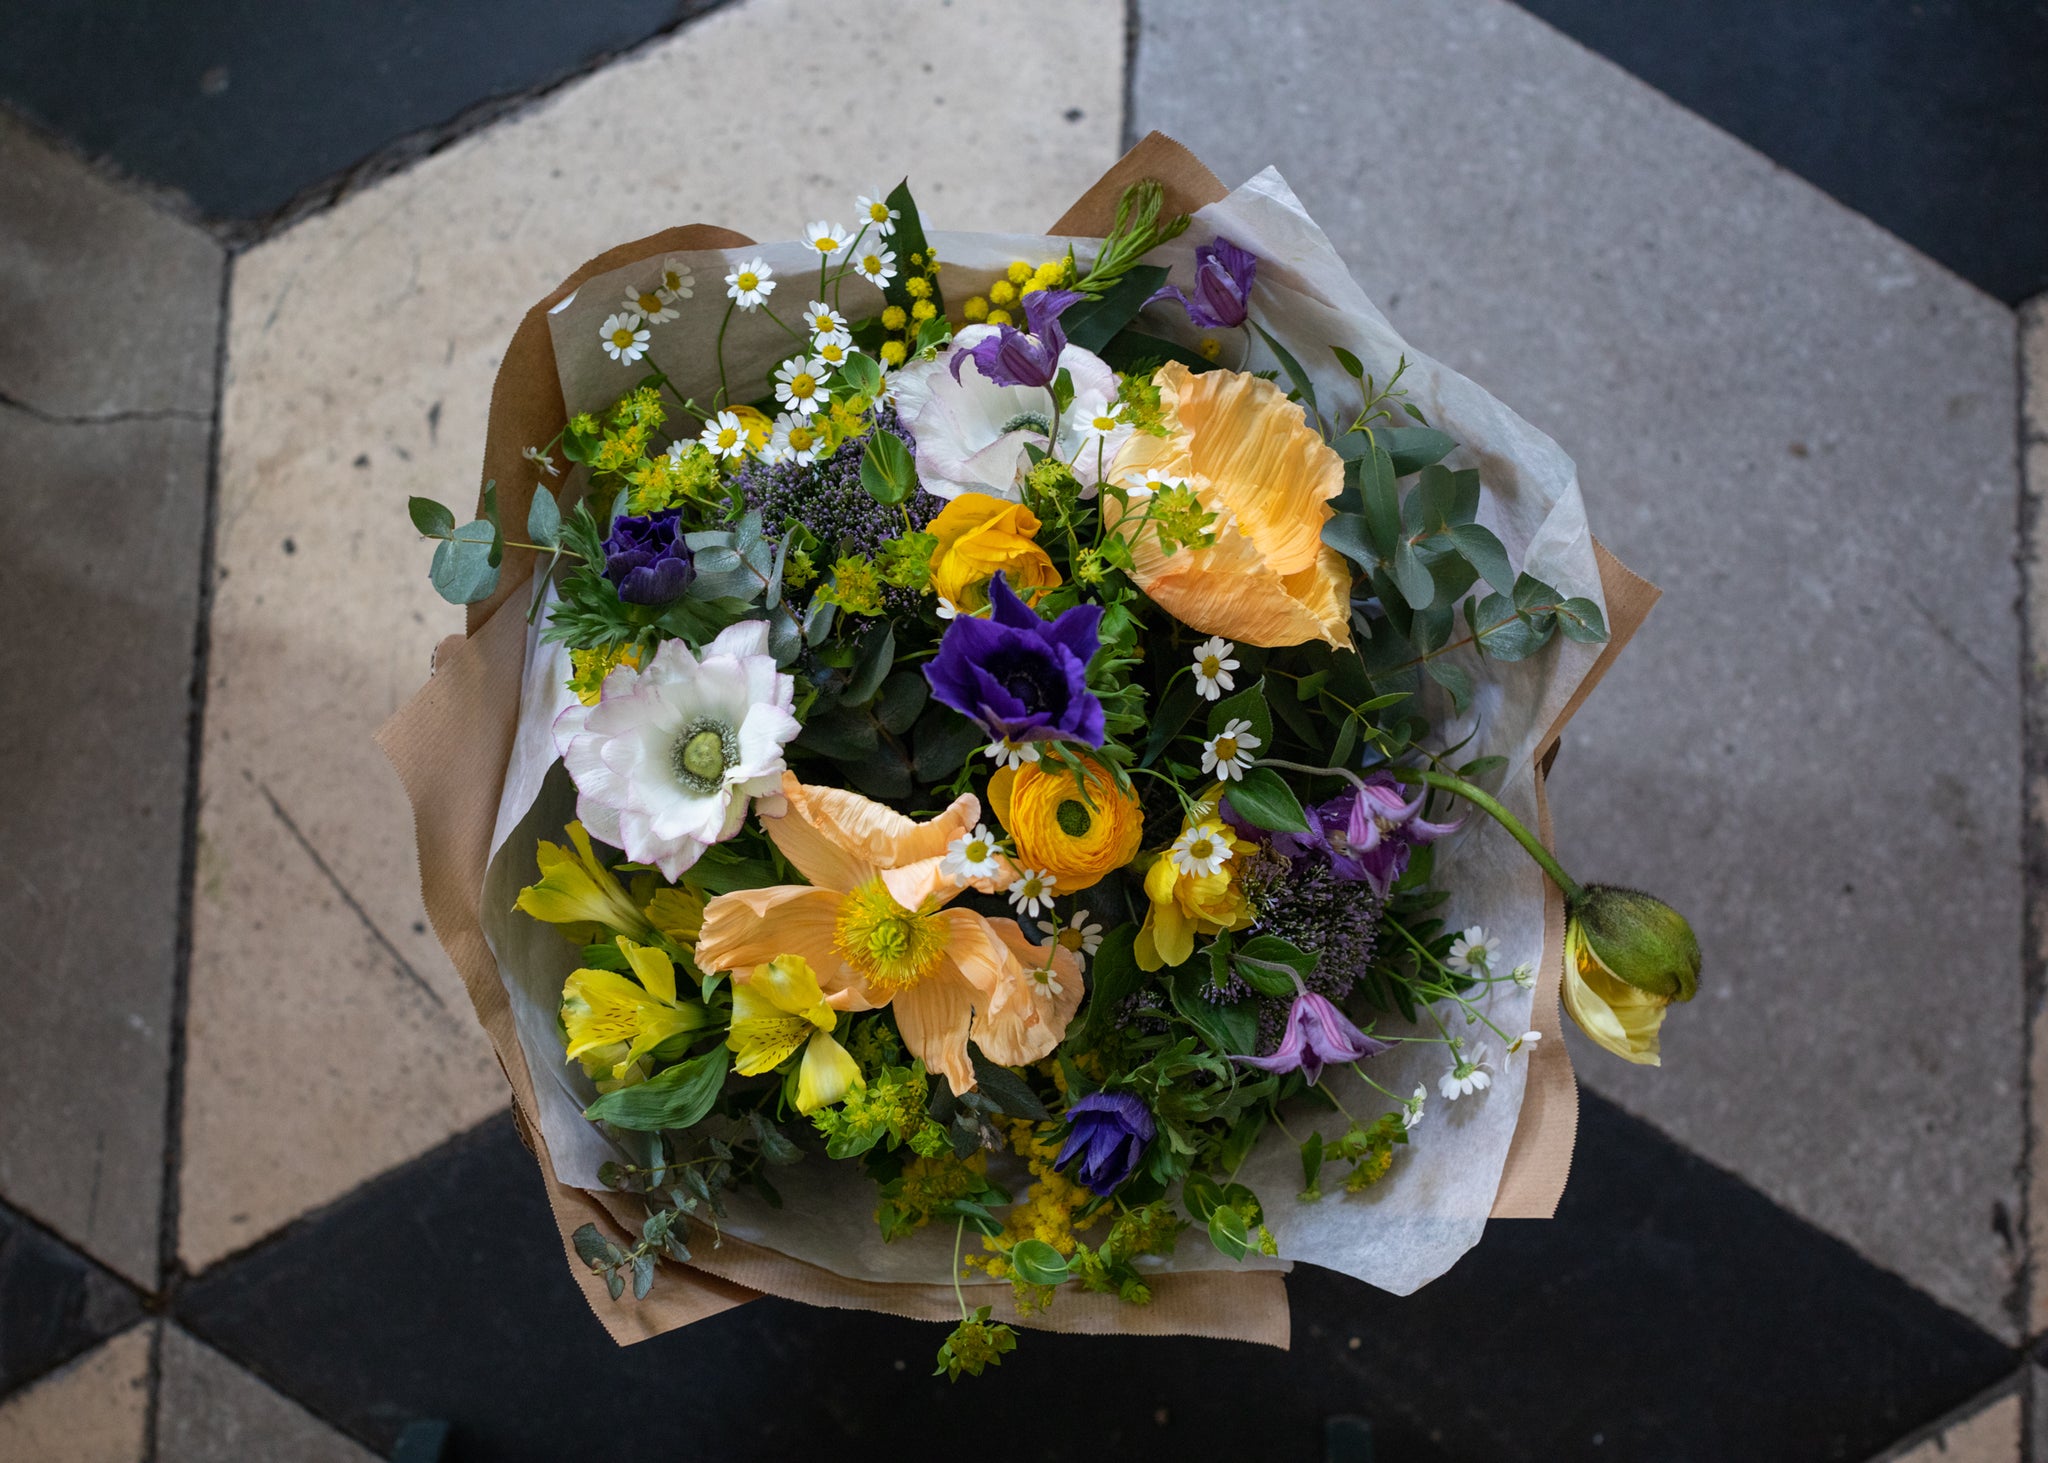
(1454,678)
(1485,553)
(1412,577)
(877,655)
(429,517)
(1414,448)
(544,518)
(1580,620)
(462,571)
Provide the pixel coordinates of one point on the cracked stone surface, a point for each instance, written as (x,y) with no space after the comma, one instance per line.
(1803,431)
(93,1410)
(2034,564)
(211,1411)
(329,1037)
(106,428)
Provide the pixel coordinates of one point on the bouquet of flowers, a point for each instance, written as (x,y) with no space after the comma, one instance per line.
(1024,765)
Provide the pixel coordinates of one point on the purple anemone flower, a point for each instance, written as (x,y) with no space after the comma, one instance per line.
(648,560)
(1368,832)
(1111,1130)
(1223,286)
(1023,678)
(1318,1035)
(1013,357)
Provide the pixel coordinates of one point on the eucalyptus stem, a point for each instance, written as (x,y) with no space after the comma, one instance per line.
(1489,805)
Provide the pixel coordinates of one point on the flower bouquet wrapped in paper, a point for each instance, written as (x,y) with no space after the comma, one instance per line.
(999,778)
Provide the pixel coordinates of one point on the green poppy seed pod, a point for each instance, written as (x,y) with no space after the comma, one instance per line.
(1627,957)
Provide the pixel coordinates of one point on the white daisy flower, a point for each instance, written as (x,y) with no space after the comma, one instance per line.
(1526,1041)
(1228,754)
(1201,850)
(827,239)
(1096,419)
(624,340)
(1031,892)
(949,611)
(878,215)
(1140,486)
(1472,953)
(651,304)
(800,384)
(1213,665)
(794,440)
(750,283)
(824,322)
(876,265)
(1002,751)
(676,449)
(1466,1076)
(541,460)
(1079,934)
(833,352)
(1411,1110)
(677,282)
(724,436)
(1524,975)
(976,855)
(1047,981)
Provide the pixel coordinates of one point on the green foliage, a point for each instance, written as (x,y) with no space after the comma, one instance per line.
(890,1110)
(676,1098)
(975,1345)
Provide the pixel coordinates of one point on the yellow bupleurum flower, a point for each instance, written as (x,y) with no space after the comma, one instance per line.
(590,668)
(775,1010)
(1251,458)
(612,1022)
(1183,905)
(874,925)
(581,894)
(1079,833)
(981,535)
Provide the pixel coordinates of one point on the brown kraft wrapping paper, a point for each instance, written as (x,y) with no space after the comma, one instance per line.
(449,745)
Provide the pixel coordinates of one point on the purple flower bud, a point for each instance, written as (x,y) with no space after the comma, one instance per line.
(1223,286)
(1021,677)
(1110,1133)
(1318,1035)
(648,560)
(1013,357)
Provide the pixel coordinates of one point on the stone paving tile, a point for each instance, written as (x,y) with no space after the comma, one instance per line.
(1987,1430)
(96,1410)
(211,1411)
(105,425)
(2034,563)
(361,348)
(1804,432)
(54,1303)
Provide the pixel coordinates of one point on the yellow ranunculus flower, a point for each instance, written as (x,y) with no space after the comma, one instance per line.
(612,1023)
(980,535)
(1186,905)
(1253,460)
(581,894)
(779,1008)
(759,428)
(1055,828)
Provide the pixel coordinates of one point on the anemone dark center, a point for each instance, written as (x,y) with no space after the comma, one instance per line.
(1032,682)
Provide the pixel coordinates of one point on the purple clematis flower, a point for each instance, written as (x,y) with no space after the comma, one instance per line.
(1023,678)
(1223,286)
(1013,357)
(1318,1035)
(1111,1130)
(1368,832)
(648,560)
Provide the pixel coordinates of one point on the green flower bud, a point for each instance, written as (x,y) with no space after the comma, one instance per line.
(1627,957)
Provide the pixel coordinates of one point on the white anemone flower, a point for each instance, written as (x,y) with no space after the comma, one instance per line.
(673,755)
(972,434)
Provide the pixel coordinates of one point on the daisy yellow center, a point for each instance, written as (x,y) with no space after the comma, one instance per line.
(801,438)
(1226,749)
(825,243)
(650,303)
(747,279)
(872,263)
(803,386)
(1202,850)
(893,948)
(1211,666)
(879,212)
(622,337)
(728,436)
(833,353)
(977,850)
(673,280)
(1105,424)
(1072,939)
(821,323)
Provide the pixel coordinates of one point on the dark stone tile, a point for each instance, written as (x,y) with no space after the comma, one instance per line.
(243,104)
(54,1302)
(1663,1290)
(1930,118)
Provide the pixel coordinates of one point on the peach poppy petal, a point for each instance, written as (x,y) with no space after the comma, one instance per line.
(813,845)
(1025,1021)
(934,1016)
(876,835)
(749,927)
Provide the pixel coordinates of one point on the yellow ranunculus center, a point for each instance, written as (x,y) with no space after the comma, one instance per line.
(1072,816)
(893,948)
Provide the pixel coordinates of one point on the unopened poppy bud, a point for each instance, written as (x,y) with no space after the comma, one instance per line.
(1627,957)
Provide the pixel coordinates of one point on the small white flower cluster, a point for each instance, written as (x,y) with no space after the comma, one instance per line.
(626,332)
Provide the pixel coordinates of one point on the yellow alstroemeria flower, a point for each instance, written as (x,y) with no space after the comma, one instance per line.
(775,1010)
(581,894)
(980,536)
(1186,905)
(612,1022)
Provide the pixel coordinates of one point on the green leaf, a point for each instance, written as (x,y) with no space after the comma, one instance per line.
(1247,705)
(592,1248)
(1263,800)
(1353,367)
(1273,950)
(676,1098)
(1007,1090)
(839,732)
(886,469)
(491,517)
(903,696)
(429,517)
(1453,678)
(1412,577)
(877,656)
(1134,350)
(1414,448)
(862,374)
(1531,593)
(1090,323)
(944,739)
(1580,620)
(463,571)
(1443,498)
(1381,502)
(1201,1196)
(1231,1029)
(1266,979)
(1038,1263)
(1485,553)
(1228,1233)
(1311,1162)
(1113,974)
(1305,387)
(1505,635)
(1349,535)
(1169,717)
(544,518)
(907,240)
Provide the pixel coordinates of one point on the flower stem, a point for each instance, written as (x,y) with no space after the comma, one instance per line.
(724,392)
(1489,805)
(959,1229)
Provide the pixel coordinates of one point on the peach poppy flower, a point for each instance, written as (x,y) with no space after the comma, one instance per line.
(874,925)
(1253,460)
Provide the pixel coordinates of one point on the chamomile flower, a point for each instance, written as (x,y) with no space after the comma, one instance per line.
(1097,418)
(1031,892)
(1524,975)
(800,384)
(833,352)
(1002,751)
(541,460)
(825,323)
(878,215)
(1200,851)
(1080,934)
(1047,980)
(651,305)
(677,280)
(1140,486)
(750,283)
(976,855)
(1213,665)
(876,265)
(1472,953)
(947,610)
(1466,1076)
(725,435)
(794,440)
(624,341)
(1411,1109)
(1228,754)
(1525,1042)
(827,239)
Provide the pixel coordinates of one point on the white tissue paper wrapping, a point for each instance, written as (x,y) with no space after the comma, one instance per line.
(1413,1225)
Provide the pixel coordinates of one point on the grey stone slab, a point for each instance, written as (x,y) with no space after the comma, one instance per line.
(108,306)
(209,1410)
(1804,431)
